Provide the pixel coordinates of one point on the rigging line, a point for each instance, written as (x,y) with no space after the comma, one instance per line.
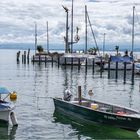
(93,33)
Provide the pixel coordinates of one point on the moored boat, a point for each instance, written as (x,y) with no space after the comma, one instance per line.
(6,109)
(99,112)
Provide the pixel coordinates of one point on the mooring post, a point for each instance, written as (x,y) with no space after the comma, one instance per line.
(28,55)
(116,70)
(101,67)
(65,61)
(18,55)
(52,61)
(33,59)
(39,59)
(79,95)
(124,72)
(93,63)
(109,68)
(71,62)
(133,72)
(24,56)
(86,66)
(78,59)
(58,61)
(45,59)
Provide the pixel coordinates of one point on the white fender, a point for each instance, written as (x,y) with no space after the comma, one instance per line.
(67,95)
(13,118)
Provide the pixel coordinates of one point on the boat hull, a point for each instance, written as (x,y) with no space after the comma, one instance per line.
(4,116)
(93,116)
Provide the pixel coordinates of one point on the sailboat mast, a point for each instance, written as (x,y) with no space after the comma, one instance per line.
(85,29)
(47,37)
(35,37)
(133,30)
(72,28)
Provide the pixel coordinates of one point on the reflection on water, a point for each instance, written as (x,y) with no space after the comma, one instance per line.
(96,131)
(7,132)
(34,111)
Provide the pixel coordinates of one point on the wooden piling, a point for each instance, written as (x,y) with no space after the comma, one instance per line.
(39,59)
(52,61)
(109,69)
(65,61)
(71,62)
(86,66)
(45,59)
(58,61)
(93,63)
(124,78)
(133,72)
(33,59)
(79,95)
(24,56)
(18,56)
(101,67)
(28,56)
(116,71)
(79,64)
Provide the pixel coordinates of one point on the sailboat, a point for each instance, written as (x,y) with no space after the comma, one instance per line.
(71,58)
(41,56)
(128,59)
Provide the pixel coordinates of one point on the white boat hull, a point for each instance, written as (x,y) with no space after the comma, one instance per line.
(4,115)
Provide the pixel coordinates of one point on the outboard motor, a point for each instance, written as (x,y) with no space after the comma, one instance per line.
(67,95)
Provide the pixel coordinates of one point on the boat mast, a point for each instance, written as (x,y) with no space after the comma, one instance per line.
(85,29)
(93,33)
(67,28)
(47,37)
(35,37)
(72,28)
(133,31)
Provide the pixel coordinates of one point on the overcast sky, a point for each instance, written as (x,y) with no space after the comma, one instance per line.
(113,17)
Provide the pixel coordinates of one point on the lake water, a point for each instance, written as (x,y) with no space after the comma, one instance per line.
(34,85)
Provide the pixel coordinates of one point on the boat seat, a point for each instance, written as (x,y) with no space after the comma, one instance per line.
(83,103)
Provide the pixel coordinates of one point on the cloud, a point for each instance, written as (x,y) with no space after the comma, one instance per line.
(113,17)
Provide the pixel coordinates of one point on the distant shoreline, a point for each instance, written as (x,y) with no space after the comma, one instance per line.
(60,47)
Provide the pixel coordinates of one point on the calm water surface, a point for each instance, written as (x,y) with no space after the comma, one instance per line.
(34,85)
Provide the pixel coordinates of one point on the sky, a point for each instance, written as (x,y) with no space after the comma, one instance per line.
(112,17)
